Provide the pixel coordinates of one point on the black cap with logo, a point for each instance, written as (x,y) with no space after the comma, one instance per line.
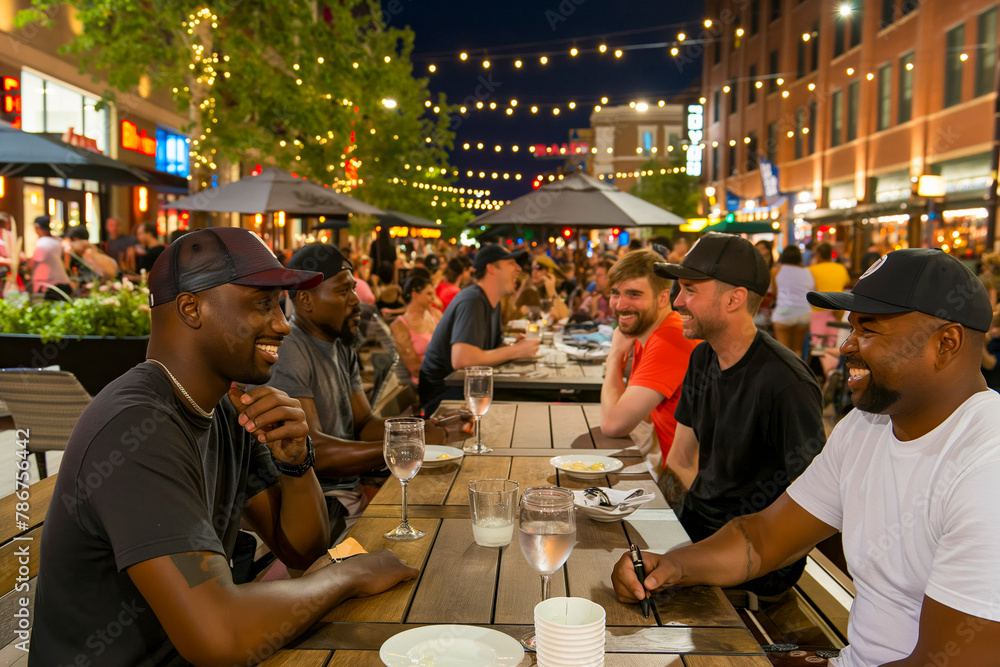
(925,280)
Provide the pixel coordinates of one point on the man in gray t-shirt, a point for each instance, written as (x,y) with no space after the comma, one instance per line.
(319,365)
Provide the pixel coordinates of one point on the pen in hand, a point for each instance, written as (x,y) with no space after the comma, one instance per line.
(640,572)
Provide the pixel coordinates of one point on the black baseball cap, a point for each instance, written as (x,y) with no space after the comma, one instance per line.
(494,253)
(925,280)
(323,257)
(207,258)
(725,257)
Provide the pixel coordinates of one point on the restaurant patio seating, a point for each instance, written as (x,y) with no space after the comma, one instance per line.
(47,404)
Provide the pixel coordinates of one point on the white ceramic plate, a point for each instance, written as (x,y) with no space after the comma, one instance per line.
(562,463)
(451,646)
(606,514)
(433,454)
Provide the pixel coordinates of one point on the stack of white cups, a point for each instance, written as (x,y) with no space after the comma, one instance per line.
(569,632)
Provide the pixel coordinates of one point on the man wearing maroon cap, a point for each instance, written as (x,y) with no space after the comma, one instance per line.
(167,461)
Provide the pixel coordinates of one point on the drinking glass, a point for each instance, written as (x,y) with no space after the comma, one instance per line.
(403,450)
(546,307)
(478,396)
(546,529)
(492,506)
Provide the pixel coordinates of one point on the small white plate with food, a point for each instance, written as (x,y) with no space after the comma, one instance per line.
(436,456)
(586,466)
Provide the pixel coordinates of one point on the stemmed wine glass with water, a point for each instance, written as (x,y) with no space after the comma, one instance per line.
(403,450)
(478,396)
(546,529)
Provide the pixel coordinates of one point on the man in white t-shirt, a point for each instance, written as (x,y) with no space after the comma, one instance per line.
(910,478)
(48,273)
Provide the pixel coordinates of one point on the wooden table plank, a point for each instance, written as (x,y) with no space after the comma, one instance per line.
(419,511)
(476,467)
(531,429)
(498,425)
(298,658)
(588,570)
(390,606)
(458,581)
(519,587)
(726,661)
(39,495)
(655,530)
(429,487)
(642,660)
(355,659)
(592,370)
(529,472)
(569,427)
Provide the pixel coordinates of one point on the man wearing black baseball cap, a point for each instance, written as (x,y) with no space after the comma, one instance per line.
(749,418)
(320,367)
(471,332)
(167,461)
(910,477)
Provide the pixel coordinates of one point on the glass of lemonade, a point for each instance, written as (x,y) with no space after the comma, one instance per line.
(403,450)
(546,529)
(491,505)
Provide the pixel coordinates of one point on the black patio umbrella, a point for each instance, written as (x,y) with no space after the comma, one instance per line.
(271,191)
(28,154)
(400,219)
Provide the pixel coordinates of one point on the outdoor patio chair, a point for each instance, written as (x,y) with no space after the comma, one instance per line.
(45,403)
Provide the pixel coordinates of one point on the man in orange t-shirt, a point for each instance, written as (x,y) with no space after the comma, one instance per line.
(648,327)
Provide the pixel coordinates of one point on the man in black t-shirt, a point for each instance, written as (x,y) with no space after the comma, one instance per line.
(749,419)
(470,333)
(166,462)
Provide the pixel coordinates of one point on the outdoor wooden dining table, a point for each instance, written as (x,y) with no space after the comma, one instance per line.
(577,376)
(463,583)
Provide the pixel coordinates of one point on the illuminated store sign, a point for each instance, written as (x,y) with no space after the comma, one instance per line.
(12,100)
(696,132)
(134,139)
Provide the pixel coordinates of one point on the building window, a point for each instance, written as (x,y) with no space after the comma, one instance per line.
(986,55)
(836,117)
(772,84)
(905,112)
(647,143)
(732,97)
(172,153)
(802,66)
(954,43)
(716,104)
(775,10)
(815,47)
(754,16)
(732,159)
(736,38)
(888,13)
(839,23)
(49,107)
(853,91)
(800,122)
(715,163)
(811,127)
(772,142)
(752,90)
(884,96)
(752,152)
(717,51)
(908,6)
(857,21)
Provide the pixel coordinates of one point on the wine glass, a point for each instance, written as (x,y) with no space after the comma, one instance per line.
(403,450)
(546,529)
(478,396)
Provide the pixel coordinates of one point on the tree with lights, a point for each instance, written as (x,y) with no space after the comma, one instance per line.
(667,185)
(325,90)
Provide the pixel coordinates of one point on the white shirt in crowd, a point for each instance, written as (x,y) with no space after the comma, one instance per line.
(48,259)
(918,518)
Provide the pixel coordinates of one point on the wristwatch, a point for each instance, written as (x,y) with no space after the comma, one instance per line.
(300,469)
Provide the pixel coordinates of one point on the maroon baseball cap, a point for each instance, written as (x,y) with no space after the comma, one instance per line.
(207,258)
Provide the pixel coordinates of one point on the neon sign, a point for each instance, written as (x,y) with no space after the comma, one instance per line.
(12,100)
(696,132)
(134,139)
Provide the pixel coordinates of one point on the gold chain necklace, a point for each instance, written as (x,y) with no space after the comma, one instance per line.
(197,408)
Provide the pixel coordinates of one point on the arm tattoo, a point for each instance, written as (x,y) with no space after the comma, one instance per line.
(746,536)
(198,567)
(672,489)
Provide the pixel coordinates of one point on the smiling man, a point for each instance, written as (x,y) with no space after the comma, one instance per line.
(909,478)
(653,333)
(749,419)
(320,367)
(166,462)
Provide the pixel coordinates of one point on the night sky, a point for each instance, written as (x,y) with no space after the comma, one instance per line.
(525,29)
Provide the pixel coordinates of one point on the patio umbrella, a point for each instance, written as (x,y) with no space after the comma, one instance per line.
(274,190)
(579,201)
(29,154)
(400,219)
(740,227)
